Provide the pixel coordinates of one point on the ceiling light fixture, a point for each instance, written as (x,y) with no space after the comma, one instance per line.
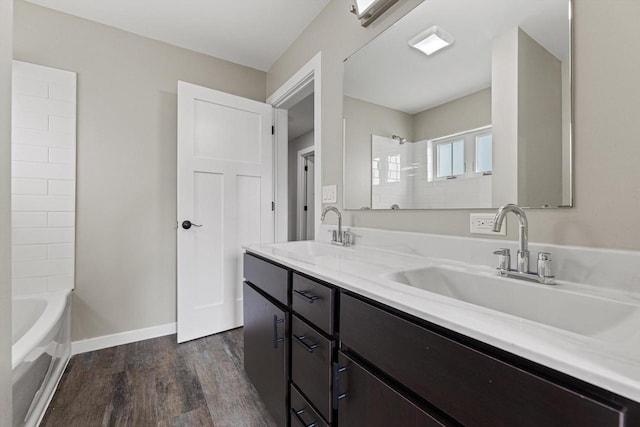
(431,40)
(368,11)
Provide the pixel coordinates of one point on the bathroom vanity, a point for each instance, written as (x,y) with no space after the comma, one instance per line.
(326,345)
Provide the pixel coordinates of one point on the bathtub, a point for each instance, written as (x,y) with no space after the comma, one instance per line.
(41,337)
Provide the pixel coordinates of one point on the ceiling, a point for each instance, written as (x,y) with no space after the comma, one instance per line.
(248,32)
(388,72)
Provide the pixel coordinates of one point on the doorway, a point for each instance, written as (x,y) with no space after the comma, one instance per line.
(303,86)
(301,158)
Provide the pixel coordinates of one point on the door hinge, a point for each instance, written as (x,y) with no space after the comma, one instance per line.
(273,206)
(306,168)
(305,208)
(273,130)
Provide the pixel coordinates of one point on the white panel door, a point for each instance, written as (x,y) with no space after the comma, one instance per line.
(224,193)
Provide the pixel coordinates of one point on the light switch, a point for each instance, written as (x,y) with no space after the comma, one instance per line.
(329,194)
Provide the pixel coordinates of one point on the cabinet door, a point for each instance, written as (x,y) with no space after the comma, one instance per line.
(367,401)
(265,350)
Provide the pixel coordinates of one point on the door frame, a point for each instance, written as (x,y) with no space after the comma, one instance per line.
(305,81)
(301,183)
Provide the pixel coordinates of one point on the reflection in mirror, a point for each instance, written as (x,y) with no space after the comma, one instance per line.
(462,104)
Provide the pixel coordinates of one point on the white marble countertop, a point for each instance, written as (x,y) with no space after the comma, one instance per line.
(608,358)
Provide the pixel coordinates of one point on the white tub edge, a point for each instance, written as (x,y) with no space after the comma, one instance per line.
(56,304)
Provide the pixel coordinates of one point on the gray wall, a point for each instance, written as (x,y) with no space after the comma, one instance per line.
(539,125)
(126,175)
(6,25)
(607,94)
(469,112)
(295,145)
(527,106)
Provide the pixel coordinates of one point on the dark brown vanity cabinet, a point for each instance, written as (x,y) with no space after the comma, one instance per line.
(265,329)
(289,331)
(323,356)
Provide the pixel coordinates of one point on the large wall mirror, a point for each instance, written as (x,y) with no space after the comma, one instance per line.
(462,104)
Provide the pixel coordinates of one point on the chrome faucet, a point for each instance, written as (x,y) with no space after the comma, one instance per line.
(523,235)
(339,237)
(543,275)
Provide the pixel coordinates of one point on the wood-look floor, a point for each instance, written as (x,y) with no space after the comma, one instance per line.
(158,382)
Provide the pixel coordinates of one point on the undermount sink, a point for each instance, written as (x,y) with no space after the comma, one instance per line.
(583,314)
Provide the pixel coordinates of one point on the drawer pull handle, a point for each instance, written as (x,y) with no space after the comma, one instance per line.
(308,298)
(297,414)
(337,396)
(309,347)
(276,340)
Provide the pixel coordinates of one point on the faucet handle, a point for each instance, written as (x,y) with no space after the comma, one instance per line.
(544,265)
(347,238)
(504,258)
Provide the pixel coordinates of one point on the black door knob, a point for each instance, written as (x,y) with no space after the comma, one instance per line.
(188,224)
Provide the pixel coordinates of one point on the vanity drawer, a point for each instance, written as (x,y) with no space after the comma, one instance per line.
(369,401)
(472,387)
(269,277)
(302,413)
(311,365)
(313,301)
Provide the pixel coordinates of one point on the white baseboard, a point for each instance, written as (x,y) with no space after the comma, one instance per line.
(106,341)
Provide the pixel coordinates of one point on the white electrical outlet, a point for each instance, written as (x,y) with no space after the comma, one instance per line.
(481,223)
(329,194)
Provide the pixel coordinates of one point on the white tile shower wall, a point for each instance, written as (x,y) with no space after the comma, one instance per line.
(43,178)
(389,191)
(414,189)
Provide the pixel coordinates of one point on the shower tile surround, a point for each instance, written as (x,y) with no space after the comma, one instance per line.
(613,274)
(43,178)
(413,189)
